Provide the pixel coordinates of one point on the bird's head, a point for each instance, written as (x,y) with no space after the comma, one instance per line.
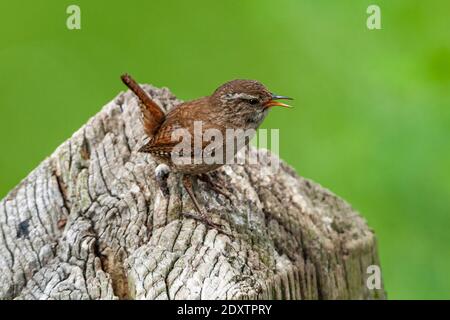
(249,95)
(246,102)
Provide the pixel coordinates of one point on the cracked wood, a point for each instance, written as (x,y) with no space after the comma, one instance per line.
(90,223)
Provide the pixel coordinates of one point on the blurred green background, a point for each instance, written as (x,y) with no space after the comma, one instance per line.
(372,116)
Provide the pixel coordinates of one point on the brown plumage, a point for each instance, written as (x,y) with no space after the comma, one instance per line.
(238,104)
(152,114)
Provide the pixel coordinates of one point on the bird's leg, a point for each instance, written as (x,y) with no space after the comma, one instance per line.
(162,172)
(214,185)
(187,183)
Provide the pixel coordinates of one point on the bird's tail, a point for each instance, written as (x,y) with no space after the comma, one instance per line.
(152,114)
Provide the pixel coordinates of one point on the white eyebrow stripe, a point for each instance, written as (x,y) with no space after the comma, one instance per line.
(245,96)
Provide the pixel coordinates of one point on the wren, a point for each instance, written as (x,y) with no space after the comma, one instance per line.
(237,104)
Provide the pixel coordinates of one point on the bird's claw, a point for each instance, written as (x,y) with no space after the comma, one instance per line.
(216,186)
(208,222)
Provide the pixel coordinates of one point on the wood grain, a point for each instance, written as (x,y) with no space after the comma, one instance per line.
(90,223)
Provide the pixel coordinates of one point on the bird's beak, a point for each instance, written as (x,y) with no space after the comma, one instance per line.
(274,103)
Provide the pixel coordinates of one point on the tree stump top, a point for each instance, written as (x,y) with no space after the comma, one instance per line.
(90,223)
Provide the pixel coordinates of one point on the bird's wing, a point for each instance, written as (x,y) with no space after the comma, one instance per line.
(162,142)
(182,116)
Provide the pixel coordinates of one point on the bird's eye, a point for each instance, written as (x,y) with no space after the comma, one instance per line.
(253,101)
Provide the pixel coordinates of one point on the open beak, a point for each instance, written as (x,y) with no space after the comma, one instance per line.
(274,103)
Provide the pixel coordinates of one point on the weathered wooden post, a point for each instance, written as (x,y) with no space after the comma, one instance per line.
(90,223)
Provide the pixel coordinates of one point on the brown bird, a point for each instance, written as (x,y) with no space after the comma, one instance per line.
(239,105)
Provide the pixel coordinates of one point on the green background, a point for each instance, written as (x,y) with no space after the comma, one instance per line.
(372,116)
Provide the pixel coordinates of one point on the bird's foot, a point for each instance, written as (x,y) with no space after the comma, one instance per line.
(218,187)
(207,221)
(201,216)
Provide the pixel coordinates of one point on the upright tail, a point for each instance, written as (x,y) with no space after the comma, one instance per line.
(152,115)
